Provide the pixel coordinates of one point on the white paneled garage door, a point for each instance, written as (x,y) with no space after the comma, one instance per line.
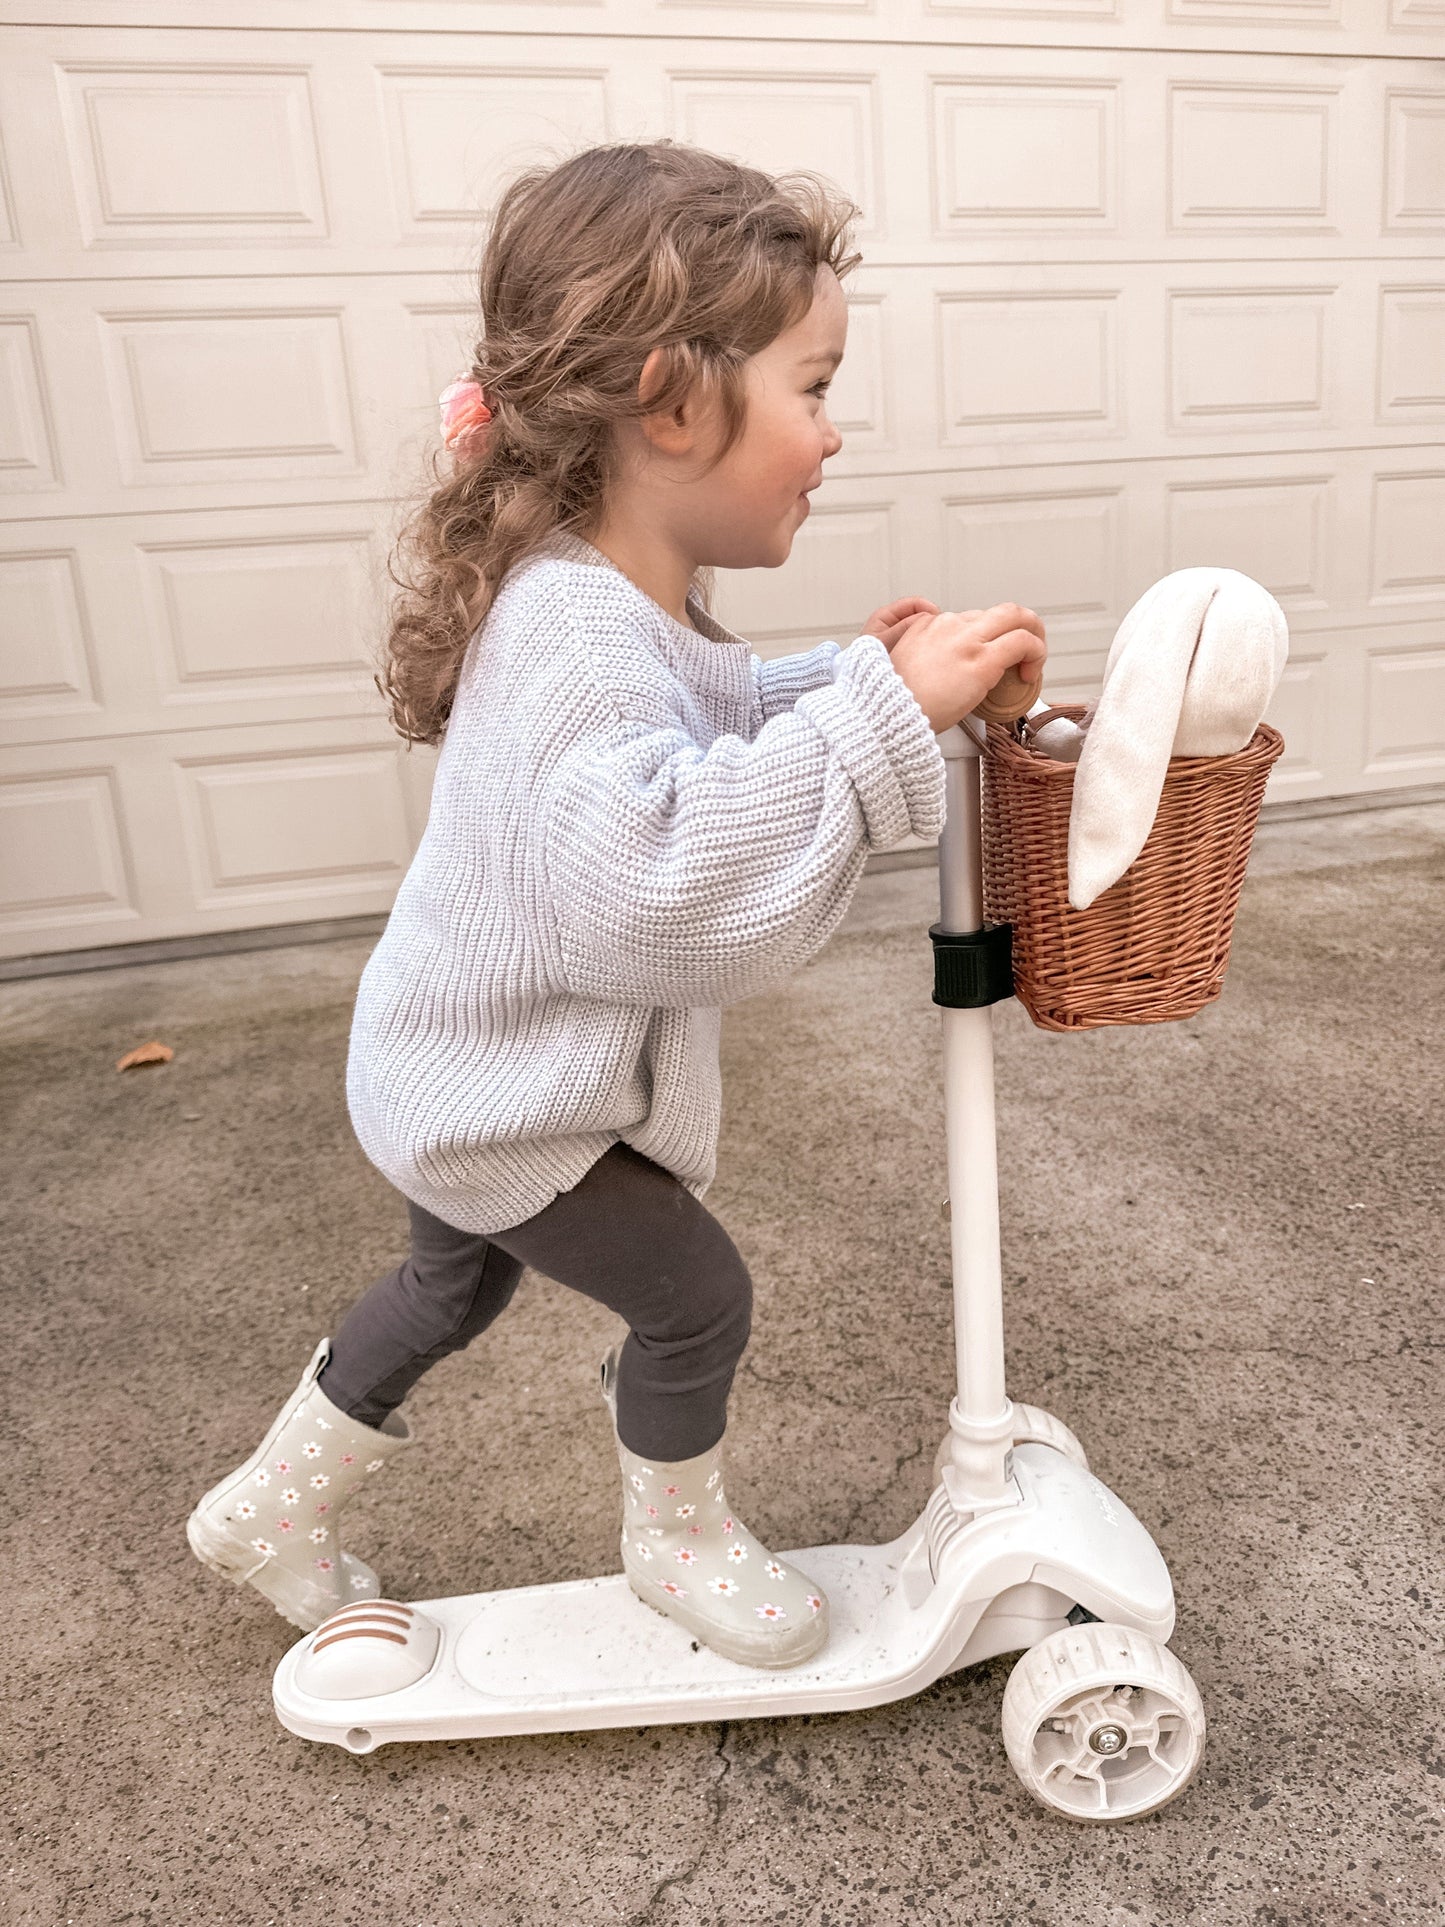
(1147,283)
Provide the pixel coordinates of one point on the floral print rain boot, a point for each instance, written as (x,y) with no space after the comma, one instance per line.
(686,1553)
(275,1521)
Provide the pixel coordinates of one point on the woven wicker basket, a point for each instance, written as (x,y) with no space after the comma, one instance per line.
(1154,946)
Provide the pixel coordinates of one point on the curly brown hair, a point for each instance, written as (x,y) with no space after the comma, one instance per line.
(588,266)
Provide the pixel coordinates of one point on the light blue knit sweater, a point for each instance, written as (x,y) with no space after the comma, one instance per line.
(633,823)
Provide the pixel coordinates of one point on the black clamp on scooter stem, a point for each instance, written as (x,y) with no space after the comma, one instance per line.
(972,970)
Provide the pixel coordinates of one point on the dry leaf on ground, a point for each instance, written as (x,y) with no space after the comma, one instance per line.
(151,1053)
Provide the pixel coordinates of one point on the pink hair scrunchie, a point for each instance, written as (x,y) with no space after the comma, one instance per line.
(464,416)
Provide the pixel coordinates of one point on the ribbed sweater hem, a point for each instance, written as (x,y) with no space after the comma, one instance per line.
(508,1183)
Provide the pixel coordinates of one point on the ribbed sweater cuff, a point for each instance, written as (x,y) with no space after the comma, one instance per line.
(782,679)
(875,724)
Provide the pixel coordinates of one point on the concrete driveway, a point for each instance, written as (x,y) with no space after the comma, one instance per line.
(1222,1247)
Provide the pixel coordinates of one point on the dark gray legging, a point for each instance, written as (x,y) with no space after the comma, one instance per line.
(627,1234)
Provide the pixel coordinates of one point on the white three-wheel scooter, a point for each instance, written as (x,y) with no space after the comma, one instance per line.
(1018,1547)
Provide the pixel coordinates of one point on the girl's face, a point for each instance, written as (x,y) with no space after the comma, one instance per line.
(751,506)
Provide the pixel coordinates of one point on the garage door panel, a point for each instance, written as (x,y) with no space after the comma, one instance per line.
(195,621)
(773,115)
(47,651)
(197,396)
(452,137)
(1405,710)
(1260,156)
(1412,353)
(27,449)
(191,153)
(1407,549)
(1279,529)
(63,857)
(1302,710)
(1415,178)
(1064,544)
(251,616)
(274,832)
(1011,153)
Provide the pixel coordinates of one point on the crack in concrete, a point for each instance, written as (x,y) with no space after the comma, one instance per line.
(793,1380)
(717,1801)
(904,1458)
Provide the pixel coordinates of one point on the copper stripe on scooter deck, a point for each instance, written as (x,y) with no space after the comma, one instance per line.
(359,1632)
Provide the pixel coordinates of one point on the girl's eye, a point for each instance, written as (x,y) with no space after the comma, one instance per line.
(819,388)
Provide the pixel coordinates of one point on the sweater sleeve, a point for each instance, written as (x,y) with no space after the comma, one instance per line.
(682,876)
(780,680)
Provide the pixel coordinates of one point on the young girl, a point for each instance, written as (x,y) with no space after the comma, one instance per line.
(635,821)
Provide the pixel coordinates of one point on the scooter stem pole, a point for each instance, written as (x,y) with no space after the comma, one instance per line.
(981,1416)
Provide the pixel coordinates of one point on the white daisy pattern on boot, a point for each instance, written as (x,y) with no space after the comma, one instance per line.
(744,1602)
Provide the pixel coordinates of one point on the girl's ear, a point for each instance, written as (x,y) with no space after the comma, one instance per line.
(686,428)
(670,431)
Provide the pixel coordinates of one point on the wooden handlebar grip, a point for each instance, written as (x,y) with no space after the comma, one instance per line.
(1010,696)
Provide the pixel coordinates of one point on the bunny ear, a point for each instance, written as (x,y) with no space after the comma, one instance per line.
(1131,733)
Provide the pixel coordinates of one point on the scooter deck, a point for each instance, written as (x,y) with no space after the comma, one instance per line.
(588,1653)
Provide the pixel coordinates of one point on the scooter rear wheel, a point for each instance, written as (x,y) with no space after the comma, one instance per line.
(1102,1723)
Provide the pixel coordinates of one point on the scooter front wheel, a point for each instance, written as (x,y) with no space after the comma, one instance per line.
(1102,1723)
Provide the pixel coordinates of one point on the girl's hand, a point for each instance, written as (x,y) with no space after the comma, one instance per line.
(889,623)
(951,662)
